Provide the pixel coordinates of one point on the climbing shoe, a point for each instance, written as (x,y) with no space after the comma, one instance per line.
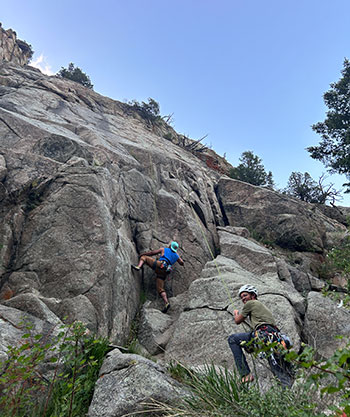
(166,308)
(137,268)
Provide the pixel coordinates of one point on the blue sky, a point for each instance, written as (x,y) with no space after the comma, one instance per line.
(249,74)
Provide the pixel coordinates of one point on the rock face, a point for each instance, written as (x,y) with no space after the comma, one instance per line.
(86,185)
(12,49)
(208,317)
(273,217)
(130,383)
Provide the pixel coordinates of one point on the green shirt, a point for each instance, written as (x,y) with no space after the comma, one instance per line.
(258,313)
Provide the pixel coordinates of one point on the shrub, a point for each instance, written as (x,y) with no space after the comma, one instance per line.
(149,111)
(75,74)
(252,170)
(26,48)
(337,261)
(76,356)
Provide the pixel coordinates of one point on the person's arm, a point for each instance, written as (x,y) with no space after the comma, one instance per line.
(180,261)
(154,252)
(238,317)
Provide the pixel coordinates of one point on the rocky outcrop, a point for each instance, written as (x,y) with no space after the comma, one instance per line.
(326,320)
(129,383)
(207,320)
(276,218)
(13,325)
(86,185)
(12,49)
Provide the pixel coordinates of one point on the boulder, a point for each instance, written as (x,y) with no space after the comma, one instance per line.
(249,254)
(154,330)
(13,324)
(129,383)
(324,320)
(276,218)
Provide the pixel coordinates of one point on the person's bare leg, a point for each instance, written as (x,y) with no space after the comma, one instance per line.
(142,260)
(164,296)
(162,293)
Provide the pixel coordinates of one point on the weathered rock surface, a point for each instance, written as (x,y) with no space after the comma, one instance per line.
(208,317)
(13,49)
(128,382)
(13,326)
(324,321)
(274,217)
(155,330)
(83,192)
(86,185)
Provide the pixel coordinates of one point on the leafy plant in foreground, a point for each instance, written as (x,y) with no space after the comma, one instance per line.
(76,357)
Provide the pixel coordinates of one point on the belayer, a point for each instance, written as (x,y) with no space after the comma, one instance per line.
(265,331)
(162,267)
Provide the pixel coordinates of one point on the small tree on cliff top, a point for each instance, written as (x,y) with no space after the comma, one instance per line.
(75,74)
(303,187)
(252,170)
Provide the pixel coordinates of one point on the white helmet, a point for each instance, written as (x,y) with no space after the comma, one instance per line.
(248,288)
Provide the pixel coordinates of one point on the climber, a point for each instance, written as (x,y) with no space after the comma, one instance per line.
(162,267)
(265,330)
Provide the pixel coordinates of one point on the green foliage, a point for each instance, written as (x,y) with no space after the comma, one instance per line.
(75,74)
(149,111)
(334,148)
(340,258)
(336,296)
(180,372)
(262,238)
(337,261)
(331,376)
(216,392)
(26,48)
(251,170)
(76,357)
(303,187)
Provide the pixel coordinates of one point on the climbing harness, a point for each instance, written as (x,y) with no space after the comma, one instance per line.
(270,334)
(166,265)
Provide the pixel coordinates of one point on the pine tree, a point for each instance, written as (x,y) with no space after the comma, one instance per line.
(75,74)
(334,148)
(252,170)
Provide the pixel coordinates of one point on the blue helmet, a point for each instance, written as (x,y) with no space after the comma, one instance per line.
(174,246)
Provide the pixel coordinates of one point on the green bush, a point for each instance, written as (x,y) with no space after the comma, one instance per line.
(75,74)
(149,111)
(337,261)
(26,48)
(252,170)
(76,357)
(340,259)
